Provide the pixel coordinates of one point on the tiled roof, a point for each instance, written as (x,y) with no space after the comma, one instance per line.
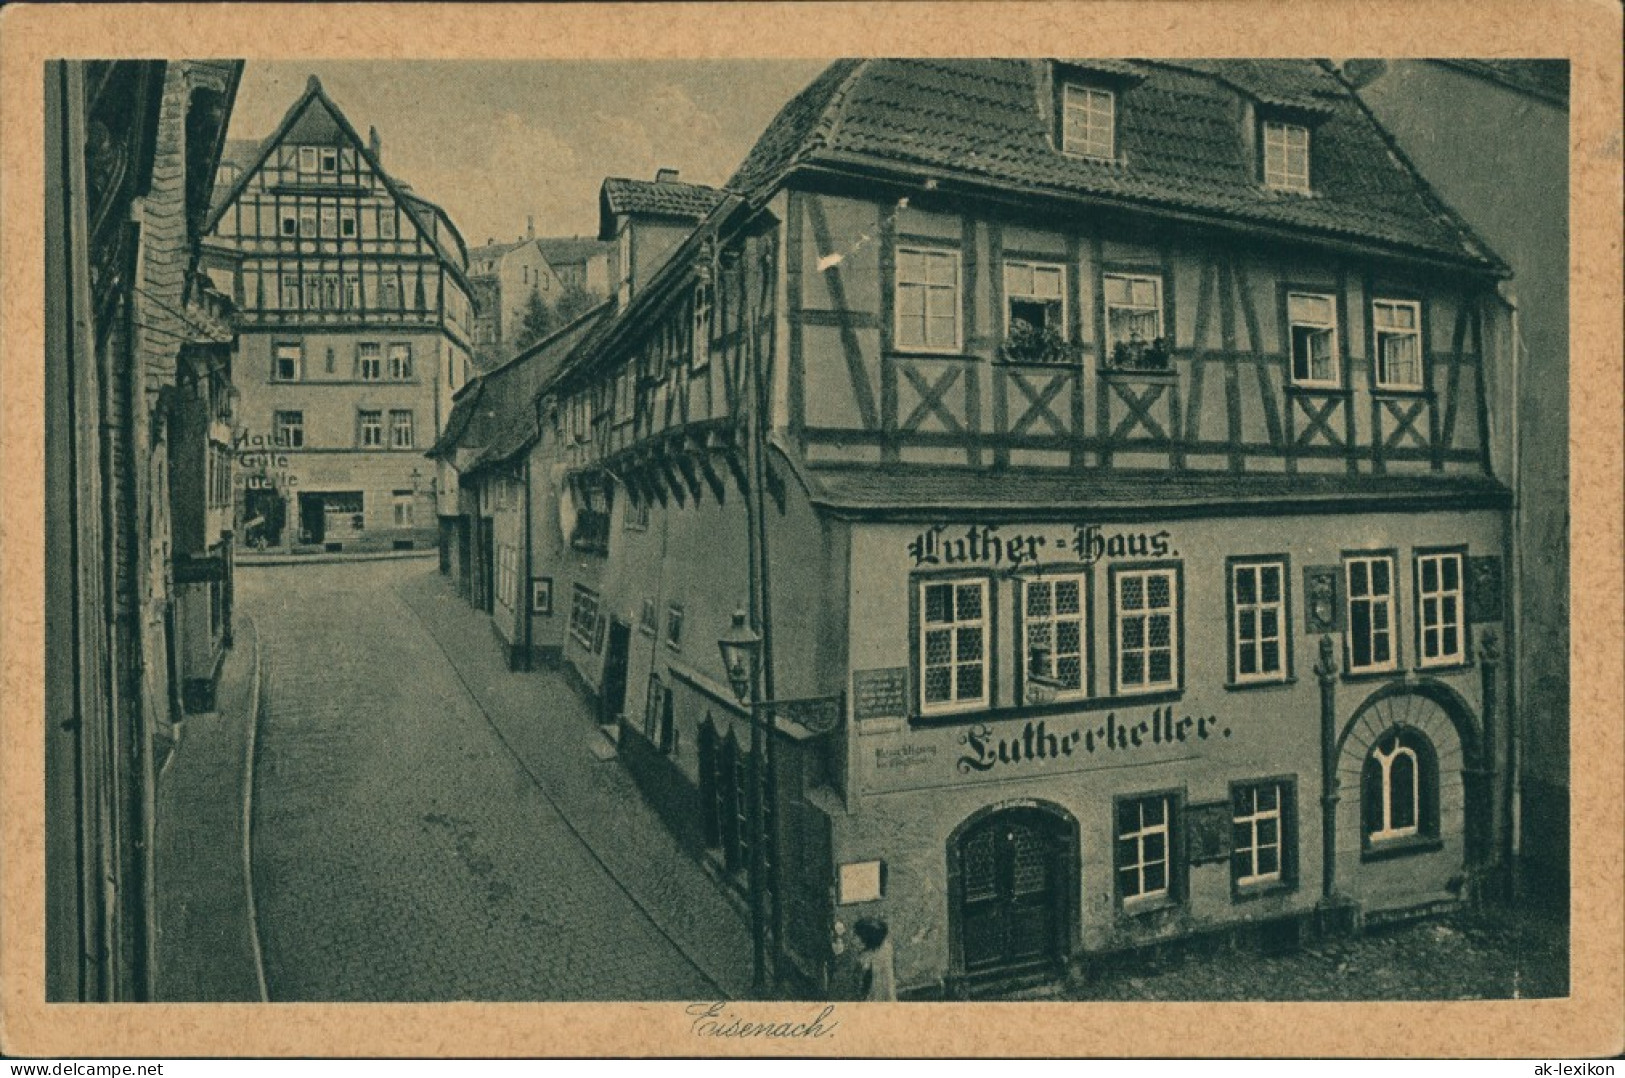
(566,250)
(504,420)
(493,250)
(667,198)
(1180,146)
(908,492)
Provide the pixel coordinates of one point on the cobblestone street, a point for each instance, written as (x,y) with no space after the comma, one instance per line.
(411,844)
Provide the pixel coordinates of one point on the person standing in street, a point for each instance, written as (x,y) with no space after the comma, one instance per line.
(877,975)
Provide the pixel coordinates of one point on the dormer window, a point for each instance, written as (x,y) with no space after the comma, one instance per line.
(1088,122)
(1286,156)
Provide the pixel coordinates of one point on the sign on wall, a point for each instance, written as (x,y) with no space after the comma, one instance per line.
(880,694)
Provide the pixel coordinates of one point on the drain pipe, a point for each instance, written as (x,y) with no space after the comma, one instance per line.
(1512,783)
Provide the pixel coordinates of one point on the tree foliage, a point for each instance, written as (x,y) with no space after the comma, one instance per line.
(537,322)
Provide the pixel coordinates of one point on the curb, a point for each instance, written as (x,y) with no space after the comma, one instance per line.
(330,559)
(248,818)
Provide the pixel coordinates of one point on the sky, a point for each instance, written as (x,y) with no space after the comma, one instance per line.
(492,142)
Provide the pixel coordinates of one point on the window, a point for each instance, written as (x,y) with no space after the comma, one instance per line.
(1088,122)
(1399,788)
(307,159)
(952,646)
(583,615)
(507,581)
(1440,633)
(330,221)
(657,716)
(369,363)
(288,429)
(400,430)
(646,618)
(1258,621)
(403,508)
(390,292)
(291,292)
(1035,295)
(386,222)
(1144,841)
(352,291)
(1052,633)
(1286,156)
(674,627)
(400,362)
(1134,321)
(1260,834)
(347,222)
(1398,343)
(1370,582)
(330,160)
(307,221)
(1145,624)
(288,363)
(1313,321)
(927,299)
(290,221)
(702,326)
(372,430)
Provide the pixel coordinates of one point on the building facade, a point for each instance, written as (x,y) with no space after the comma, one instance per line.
(505,276)
(138,352)
(1438,113)
(1106,470)
(355,325)
(581,263)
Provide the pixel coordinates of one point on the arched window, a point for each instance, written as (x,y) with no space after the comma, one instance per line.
(1399,796)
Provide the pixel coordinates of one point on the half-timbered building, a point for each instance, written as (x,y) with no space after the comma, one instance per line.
(1124,538)
(356,325)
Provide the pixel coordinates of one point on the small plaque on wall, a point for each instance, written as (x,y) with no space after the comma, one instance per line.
(1484,589)
(1208,826)
(1322,599)
(880,694)
(862,881)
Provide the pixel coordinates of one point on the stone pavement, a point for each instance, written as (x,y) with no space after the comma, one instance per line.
(403,851)
(206,950)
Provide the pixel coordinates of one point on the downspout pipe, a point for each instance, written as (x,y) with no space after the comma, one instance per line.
(1511,795)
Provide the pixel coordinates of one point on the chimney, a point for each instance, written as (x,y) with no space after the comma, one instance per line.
(666,175)
(375,145)
(530,226)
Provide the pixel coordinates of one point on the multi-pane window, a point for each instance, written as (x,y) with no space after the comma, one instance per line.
(400,361)
(1313,320)
(1370,583)
(386,222)
(1439,609)
(403,508)
(1052,630)
(288,429)
(953,645)
(1258,620)
(400,430)
(1286,156)
(370,362)
(1134,320)
(330,221)
(583,615)
(1145,612)
(1143,857)
(1399,787)
(291,292)
(371,429)
(307,221)
(1258,833)
(389,291)
(927,299)
(1035,295)
(1397,325)
(1088,125)
(288,361)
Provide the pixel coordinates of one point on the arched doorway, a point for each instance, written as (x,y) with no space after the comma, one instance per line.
(1013,885)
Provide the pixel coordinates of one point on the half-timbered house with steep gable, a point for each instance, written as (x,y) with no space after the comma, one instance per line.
(1123,538)
(356,329)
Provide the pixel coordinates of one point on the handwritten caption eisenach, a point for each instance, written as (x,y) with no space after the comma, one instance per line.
(716,1020)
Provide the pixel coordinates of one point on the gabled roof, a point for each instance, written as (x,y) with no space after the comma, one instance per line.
(568,250)
(498,416)
(415,206)
(988,124)
(659,198)
(493,250)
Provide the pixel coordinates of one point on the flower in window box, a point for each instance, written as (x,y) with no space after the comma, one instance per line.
(1136,354)
(1028,343)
